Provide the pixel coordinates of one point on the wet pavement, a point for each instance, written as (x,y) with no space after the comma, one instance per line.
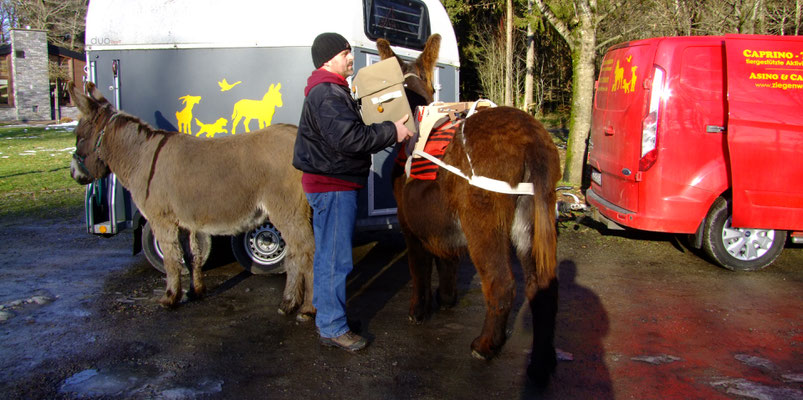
(640,317)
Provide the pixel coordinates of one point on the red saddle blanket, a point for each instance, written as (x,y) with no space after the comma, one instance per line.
(439,139)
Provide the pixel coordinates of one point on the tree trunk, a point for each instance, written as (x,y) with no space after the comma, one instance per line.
(529,76)
(582,99)
(509,56)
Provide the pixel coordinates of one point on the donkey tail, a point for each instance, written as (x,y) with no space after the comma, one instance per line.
(545,237)
(540,264)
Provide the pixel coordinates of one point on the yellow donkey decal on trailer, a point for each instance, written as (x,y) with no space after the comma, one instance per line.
(261,110)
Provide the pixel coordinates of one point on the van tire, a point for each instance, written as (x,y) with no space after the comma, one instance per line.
(261,250)
(717,234)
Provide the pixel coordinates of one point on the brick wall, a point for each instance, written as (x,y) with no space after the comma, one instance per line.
(31,83)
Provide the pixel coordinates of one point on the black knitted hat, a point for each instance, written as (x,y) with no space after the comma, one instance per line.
(326,46)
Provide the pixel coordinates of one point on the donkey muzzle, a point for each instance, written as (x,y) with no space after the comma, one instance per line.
(79,171)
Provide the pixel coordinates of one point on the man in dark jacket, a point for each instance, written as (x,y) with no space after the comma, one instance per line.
(333,149)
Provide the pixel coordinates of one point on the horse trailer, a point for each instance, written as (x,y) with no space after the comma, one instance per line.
(203,67)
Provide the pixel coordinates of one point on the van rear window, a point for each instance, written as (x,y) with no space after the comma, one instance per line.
(621,77)
(403,23)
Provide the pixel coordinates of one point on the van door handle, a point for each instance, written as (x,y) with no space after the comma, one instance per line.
(714,129)
(608,131)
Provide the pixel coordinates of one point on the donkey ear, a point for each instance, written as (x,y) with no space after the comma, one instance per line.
(95,94)
(85,104)
(383,46)
(426,61)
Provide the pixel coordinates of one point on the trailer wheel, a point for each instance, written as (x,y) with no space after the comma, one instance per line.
(153,252)
(739,249)
(260,251)
(151,248)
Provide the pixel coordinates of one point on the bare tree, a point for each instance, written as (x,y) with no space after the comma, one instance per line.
(8,18)
(579,29)
(529,80)
(509,53)
(62,19)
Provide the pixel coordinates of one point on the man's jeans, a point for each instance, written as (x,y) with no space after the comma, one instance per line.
(333,225)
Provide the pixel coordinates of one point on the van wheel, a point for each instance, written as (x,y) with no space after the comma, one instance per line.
(260,251)
(739,249)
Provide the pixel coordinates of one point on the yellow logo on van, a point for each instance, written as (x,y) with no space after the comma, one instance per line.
(620,83)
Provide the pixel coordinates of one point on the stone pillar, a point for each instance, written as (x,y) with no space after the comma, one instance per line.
(29,60)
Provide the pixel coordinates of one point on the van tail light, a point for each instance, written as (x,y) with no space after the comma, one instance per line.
(649,126)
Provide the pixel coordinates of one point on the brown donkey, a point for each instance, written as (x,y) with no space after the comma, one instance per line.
(442,218)
(190,188)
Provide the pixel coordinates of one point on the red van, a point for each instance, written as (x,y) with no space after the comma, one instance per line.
(702,136)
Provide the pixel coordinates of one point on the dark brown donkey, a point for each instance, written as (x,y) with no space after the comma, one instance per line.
(442,218)
(190,188)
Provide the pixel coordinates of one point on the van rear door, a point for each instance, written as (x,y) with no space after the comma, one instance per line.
(616,123)
(765,130)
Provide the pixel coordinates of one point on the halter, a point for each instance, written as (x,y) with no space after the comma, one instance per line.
(80,160)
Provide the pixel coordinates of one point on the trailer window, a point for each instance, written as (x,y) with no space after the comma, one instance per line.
(402,22)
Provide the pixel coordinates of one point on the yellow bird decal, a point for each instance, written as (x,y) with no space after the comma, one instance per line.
(225,86)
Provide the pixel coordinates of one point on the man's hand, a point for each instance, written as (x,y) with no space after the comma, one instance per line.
(402,132)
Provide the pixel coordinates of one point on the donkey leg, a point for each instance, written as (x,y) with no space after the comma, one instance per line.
(167,235)
(200,246)
(447,282)
(297,234)
(542,295)
(489,248)
(498,288)
(420,263)
(298,288)
(541,288)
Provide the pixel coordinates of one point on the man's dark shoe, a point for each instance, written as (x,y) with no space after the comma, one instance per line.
(348,341)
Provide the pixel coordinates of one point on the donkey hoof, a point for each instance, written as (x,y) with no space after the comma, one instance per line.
(287,307)
(540,375)
(445,301)
(476,354)
(482,350)
(168,302)
(304,317)
(196,294)
(415,320)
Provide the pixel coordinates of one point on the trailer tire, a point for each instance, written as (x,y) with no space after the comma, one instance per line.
(151,248)
(739,249)
(261,250)
(153,253)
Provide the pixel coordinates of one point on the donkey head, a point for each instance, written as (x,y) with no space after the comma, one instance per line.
(96,112)
(419,75)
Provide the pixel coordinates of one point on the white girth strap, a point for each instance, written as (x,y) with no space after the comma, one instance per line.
(479,181)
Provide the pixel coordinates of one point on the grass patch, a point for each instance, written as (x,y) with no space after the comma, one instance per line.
(35,172)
